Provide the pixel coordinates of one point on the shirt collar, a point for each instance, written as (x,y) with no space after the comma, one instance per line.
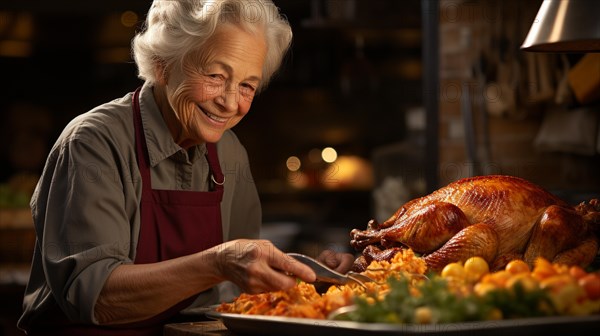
(158,137)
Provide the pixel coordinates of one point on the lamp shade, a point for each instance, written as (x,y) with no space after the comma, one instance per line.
(565,26)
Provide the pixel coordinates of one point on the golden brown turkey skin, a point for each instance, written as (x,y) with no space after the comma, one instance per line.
(510,207)
(581,255)
(428,228)
(559,229)
(476,240)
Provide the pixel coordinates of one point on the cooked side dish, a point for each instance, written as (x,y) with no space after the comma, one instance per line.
(303,300)
(405,292)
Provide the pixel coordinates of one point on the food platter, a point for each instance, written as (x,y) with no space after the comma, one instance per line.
(274,325)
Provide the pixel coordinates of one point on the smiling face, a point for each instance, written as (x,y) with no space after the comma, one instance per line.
(214,89)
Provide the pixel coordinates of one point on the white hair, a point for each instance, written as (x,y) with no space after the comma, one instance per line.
(176,28)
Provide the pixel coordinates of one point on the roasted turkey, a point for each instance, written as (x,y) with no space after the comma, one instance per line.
(497,217)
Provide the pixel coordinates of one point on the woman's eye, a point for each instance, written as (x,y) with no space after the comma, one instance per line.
(216,76)
(248,88)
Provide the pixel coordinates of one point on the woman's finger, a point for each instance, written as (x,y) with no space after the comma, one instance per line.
(346,260)
(290,266)
(340,262)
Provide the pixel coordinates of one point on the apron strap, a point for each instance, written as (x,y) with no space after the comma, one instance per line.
(216,175)
(141,146)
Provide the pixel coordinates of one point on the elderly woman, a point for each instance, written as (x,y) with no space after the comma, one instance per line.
(145,205)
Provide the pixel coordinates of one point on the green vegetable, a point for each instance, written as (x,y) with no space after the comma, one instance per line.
(438,304)
(519,302)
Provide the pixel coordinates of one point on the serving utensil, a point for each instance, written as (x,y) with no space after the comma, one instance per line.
(327,275)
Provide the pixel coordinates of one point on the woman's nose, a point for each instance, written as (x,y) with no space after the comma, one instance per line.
(228,99)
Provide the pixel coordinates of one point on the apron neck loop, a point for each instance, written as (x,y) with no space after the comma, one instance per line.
(216,175)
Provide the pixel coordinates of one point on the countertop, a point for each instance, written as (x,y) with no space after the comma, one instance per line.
(197,328)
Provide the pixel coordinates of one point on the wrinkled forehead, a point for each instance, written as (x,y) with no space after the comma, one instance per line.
(229,41)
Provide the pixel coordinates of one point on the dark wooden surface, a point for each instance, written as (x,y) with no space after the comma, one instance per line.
(210,328)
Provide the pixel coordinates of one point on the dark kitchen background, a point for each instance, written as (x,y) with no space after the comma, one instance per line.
(378,102)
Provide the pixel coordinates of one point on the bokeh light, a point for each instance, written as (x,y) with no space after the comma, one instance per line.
(293,163)
(129,18)
(329,155)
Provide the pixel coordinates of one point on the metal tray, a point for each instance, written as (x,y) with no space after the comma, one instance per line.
(273,325)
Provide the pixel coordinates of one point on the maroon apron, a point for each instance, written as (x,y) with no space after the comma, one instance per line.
(173,224)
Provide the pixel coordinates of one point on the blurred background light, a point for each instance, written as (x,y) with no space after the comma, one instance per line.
(129,18)
(293,163)
(329,155)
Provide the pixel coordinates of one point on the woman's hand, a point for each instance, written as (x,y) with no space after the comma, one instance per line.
(258,266)
(340,262)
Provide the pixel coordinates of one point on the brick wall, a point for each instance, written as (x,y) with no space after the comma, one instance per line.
(481,72)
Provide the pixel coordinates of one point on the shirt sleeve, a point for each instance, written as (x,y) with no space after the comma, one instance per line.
(79,207)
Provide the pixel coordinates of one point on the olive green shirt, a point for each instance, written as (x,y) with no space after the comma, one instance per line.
(86,206)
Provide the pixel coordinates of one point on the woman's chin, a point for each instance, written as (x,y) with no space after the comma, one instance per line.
(212,136)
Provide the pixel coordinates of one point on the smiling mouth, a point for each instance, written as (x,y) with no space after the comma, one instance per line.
(214,117)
